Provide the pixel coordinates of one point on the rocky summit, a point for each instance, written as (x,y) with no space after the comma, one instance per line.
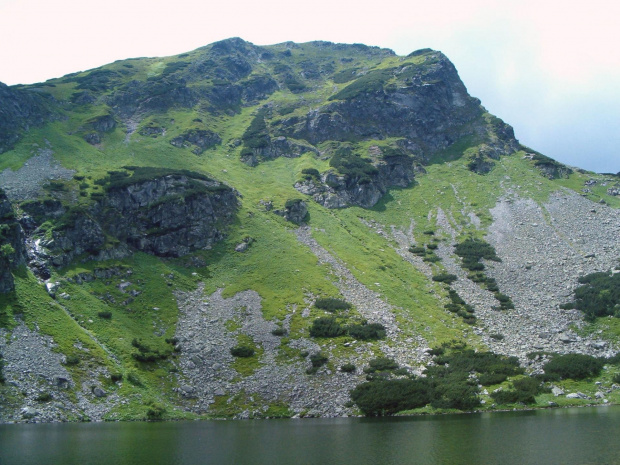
(294,230)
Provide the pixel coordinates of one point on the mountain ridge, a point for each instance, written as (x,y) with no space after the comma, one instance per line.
(164,214)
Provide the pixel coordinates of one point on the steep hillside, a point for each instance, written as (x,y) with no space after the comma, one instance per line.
(297,229)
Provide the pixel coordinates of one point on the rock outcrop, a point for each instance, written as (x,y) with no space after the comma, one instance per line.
(277,147)
(295,211)
(334,190)
(201,140)
(428,106)
(97,127)
(166,215)
(20,110)
(12,249)
(170,215)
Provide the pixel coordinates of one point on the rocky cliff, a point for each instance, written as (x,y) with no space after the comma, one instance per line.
(12,249)
(20,110)
(165,213)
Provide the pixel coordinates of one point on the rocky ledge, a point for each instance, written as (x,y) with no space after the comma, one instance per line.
(170,215)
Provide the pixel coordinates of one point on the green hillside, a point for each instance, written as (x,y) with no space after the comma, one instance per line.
(175,231)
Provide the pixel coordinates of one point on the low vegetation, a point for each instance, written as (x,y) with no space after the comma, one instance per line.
(573,366)
(371,82)
(328,327)
(331,305)
(598,295)
(450,383)
(352,165)
(317,360)
(242,351)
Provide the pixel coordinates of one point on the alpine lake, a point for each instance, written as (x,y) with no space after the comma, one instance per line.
(587,435)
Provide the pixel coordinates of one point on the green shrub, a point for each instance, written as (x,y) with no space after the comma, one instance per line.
(72,360)
(496,336)
(256,135)
(524,391)
(432,246)
(44,397)
(365,332)
(466,361)
(2,378)
(502,297)
(318,360)
(115,377)
(455,394)
(613,360)
(469,319)
(417,250)
(56,186)
(6,251)
(455,297)
(599,295)
(488,379)
(326,327)
(574,366)
(473,250)
(447,385)
(155,411)
(381,364)
(352,165)
(348,368)
(294,85)
(312,172)
(331,305)
(491,284)
(378,398)
(146,353)
(242,351)
(106,315)
(445,278)
(279,332)
(454,308)
(290,203)
(134,379)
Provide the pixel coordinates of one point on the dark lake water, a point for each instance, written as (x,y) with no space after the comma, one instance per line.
(561,436)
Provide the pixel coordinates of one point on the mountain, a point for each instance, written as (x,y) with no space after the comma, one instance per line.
(311,229)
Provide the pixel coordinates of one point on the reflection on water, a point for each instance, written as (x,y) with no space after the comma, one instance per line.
(560,436)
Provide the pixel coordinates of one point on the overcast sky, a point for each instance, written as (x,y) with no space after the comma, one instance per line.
(550,68)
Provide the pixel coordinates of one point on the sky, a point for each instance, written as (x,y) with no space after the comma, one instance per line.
(549,68)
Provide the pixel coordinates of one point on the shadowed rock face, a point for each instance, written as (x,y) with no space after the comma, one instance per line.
(165,216)
(12,250)
(338,191)
(169,216)
(19,110)
(429,106)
